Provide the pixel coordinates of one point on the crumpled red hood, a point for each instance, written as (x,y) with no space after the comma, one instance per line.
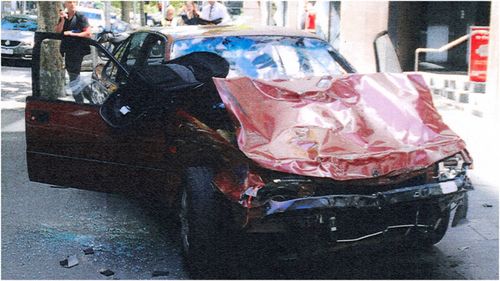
(351,127)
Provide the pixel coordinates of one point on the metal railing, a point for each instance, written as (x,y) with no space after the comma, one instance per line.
(446,47)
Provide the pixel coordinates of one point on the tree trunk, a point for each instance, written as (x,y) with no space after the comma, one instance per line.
(52,72)
(107,14)
(126,9)
(141,12)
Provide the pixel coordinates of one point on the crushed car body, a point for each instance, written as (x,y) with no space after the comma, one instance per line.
(354,127)
(240,140)
(371,133)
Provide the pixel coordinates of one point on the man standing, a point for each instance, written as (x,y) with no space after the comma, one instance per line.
(214,11)
(170,18)
(73,25)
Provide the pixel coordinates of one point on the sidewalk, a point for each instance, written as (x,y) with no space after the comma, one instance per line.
(481,136)
(16,86)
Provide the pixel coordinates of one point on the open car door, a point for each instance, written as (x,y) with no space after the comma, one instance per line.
(69,144)
(386,58)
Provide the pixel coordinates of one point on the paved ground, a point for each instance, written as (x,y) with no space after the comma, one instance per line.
(42,225)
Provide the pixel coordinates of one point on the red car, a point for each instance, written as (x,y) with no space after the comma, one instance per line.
(251,131)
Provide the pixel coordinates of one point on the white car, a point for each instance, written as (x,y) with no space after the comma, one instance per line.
(95,18)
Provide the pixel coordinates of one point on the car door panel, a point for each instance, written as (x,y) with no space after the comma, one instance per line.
(73,146)
(69,144)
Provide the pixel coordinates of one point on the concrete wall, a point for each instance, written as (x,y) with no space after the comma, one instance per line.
(493,79)
(294,10)
(360,21)
(251,12)
(256,12)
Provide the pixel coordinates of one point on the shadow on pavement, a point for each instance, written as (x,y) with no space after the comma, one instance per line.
(255,259)
(16,63)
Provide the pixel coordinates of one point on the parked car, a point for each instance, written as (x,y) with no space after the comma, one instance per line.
(119,26)
(18,33)
(248,130)
(95,18)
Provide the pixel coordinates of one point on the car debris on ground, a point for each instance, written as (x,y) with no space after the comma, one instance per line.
(106,272)
(88,251)
(70,261)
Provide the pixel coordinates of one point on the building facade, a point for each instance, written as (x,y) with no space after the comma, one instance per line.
(352,26)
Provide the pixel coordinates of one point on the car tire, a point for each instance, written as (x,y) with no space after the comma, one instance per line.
(203,229)
(431,237)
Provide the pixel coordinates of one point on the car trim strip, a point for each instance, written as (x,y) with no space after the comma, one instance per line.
(94,161)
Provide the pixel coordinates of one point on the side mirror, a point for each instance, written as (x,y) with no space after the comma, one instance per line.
(386,58)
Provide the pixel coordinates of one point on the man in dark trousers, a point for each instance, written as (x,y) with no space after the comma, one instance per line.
(73,24)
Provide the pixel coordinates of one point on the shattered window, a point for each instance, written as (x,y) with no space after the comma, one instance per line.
(134,48)
(111,69)
(266,57)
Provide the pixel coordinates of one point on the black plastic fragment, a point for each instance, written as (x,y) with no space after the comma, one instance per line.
(106,272)
(486,205)
(88,251)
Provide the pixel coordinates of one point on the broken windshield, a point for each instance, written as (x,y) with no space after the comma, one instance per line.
(267,57)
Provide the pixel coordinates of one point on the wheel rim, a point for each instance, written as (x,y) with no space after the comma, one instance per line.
(184,222)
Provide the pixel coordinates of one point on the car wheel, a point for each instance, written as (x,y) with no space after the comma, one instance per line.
(202,225)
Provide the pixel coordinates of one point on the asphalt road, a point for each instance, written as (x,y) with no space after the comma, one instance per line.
(42,225)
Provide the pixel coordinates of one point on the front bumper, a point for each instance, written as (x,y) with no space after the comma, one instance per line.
(20,52)
(377,200)
(347,218)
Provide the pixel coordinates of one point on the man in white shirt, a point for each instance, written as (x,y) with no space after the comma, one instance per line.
(213,10)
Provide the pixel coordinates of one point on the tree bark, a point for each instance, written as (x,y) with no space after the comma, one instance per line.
(52,72)
(126,9)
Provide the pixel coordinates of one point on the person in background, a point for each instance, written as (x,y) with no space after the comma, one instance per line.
(303,17)
(310,20)
(215,12)
(170,18)
(189,14)
(73,24)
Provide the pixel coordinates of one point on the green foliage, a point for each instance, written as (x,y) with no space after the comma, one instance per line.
(177,4)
